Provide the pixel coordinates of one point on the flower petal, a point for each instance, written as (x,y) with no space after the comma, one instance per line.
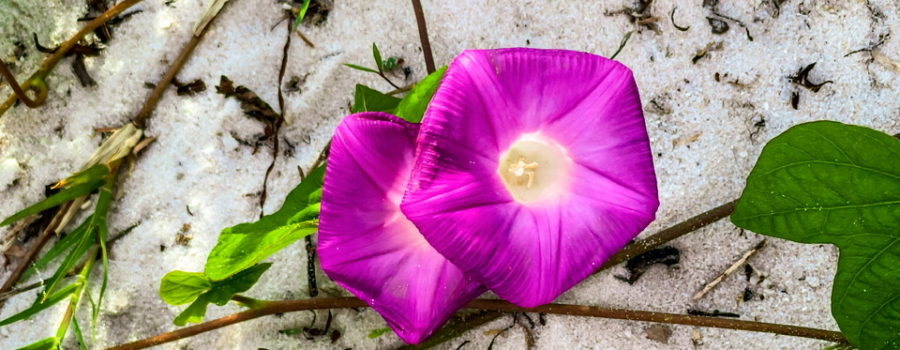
(368,246)
(529,253)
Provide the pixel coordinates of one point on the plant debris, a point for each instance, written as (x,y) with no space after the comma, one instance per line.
(672,18)
(638,13)
(802,78)
(712,46)
(191,88)
(717,26)
(731,269)
(638,265)
(252,105)
(658,333)
(714,313)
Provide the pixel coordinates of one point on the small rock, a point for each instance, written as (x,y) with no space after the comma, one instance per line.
(659,333)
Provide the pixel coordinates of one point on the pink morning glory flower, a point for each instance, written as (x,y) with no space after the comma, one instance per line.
(368,246)
(533,168)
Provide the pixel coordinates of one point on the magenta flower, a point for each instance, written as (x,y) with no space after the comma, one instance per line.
(368,246)
(533,168)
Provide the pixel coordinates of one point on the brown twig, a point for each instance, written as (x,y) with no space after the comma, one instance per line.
(36,81)
(641,246)
(14,84)
(731,269)
(276,307)
(140,120)
(670,233)
(423,36)
(278,122)
(55,226)
(305,39)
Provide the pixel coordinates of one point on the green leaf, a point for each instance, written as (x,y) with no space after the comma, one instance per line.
(245,245)
(412,107)
(80,184)
(390,63)
(84,240)
(301,15)
(40,306)
(219,293)
(78,335)
(194,312)
(375,333)
(364,69)
(43,344)
(62,246)
(377,54)
(179,287)
(367,99)
(222,291)
(827,182)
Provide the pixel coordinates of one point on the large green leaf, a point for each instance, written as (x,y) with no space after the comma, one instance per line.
(367,99)
(80,184)
(180,287)
(412,107)
(218,293)
(245,245)
(827,182)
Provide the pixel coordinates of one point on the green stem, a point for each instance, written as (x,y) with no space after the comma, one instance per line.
(76,297)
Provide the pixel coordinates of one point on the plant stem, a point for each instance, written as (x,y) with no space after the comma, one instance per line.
(456,327)
(76,297)
(36,81)
(19,92)
(275,307)
(423,36)
(670,233)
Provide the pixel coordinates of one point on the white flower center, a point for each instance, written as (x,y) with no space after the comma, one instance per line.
(534,168)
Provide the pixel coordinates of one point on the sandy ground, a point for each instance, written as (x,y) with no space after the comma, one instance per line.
(706,134)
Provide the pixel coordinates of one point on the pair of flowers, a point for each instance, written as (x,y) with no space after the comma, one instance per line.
(529,170)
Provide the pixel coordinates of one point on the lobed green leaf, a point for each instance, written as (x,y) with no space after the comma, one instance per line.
(218,293)
(412,107)
(827,182)
(367,99)
(180,287)
(244,245)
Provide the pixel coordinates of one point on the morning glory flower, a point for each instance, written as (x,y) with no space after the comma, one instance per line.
(533,168)
(368,246)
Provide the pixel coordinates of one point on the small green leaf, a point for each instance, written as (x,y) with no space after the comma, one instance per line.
(78,335)
(827,182)
(62,246)
(367,99)
(412,107)
(390,63)
(84,240)
(219,293)
(375,333)
(245,245)
(40,306)
(364,69)
(179,287)
(377,54)
(80,184)
(301,15)
(43,344)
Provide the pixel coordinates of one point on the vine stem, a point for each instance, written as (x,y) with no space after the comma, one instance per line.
(275,307)
(423,36)
(36,81)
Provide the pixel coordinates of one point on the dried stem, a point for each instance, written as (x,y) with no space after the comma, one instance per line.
(423,36)
(19,92)
(641,246)
(668,234)
(36,81)
(276,126)
(730,270)
(276,307)
(55,226)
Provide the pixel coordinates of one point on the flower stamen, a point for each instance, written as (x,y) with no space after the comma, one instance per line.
(534,168)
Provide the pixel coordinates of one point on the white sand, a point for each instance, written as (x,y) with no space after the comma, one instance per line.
(196,162)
